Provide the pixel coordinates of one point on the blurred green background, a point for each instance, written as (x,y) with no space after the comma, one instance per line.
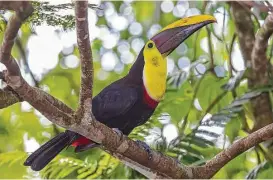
(193,122)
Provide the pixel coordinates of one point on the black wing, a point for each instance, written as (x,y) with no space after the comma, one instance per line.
(113,102)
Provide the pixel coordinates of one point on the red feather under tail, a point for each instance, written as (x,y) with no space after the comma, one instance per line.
(81,141)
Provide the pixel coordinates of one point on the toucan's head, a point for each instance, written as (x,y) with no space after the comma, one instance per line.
(171,36)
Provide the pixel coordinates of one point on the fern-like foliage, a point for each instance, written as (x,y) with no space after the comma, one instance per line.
(189,146)
(234,81)
(13,160)
(262,170)
(70,167)
(178,77)
(10,158)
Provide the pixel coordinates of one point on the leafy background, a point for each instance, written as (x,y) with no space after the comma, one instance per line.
(205,108)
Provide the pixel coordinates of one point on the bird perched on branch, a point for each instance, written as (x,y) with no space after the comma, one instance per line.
(130,101)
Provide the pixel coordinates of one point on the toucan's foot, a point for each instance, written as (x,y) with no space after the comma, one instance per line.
(120,134)
(146,148)
(176,160)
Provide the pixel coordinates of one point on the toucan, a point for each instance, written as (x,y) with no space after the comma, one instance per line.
(130,101)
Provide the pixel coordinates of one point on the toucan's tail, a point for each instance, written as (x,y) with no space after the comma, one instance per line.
(41,157)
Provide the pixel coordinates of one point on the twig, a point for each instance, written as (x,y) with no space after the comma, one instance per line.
(196,89)
(270,7)
(267,154)
(231,67)
(214,103)
(195,46)
(258,156)
(210,49)
(24,58)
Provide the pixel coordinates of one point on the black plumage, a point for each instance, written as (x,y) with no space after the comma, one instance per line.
(120,105)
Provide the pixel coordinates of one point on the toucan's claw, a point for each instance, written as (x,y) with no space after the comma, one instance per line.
(120,134)
(146,148)
(176,160)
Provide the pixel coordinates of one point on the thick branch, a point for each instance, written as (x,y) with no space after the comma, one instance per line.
(258,65)
(18,6)
(125,148)
(259,75)
(251,4)
(43,102)
(8,97)
(245,30)
(148,172)
(81,11)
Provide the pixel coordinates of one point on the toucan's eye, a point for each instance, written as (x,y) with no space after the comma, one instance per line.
(150,45)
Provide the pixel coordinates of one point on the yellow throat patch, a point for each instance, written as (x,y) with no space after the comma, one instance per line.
(154,71)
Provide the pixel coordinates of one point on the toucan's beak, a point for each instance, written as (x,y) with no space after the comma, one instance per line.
(174,34)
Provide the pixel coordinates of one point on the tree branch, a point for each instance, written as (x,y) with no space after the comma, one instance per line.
(259,74)
(242,145)
(81,11)
(8,97)
(17,6)
(245,31)
(23,9)
(251,4)
(12,76)
(125,148)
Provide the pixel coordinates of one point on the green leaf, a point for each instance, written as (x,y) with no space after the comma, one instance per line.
(177,102)
(210,89)
(232,129)
(12,160)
